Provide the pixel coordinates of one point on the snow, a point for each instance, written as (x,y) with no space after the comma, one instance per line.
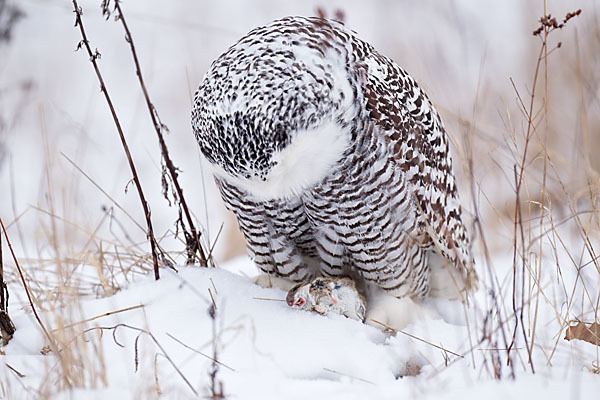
(269,350)
(462,53)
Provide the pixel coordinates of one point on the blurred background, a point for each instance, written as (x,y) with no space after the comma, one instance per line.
(474,59)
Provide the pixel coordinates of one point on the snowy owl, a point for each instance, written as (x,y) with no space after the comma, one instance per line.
(334,162)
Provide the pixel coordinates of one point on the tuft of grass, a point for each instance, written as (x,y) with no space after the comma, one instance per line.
(551,220)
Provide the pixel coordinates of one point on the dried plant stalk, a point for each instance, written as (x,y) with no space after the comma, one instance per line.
(547,25)
(93,59)
(37,317)
(7,328)
(153,338)
(193,246)
(3,298)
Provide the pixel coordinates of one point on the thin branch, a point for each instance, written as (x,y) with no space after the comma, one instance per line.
(517,217)
(417,338)
(7,328)
(3,288)
(192,237)
(94,56)
(37,317)
(216,386)
(547,25)
(106,314)
(199,352)
(19,374)
(265,298)
(518,182)
(156,342)
(212,299)
(82,172)
(495,287)
(347,375)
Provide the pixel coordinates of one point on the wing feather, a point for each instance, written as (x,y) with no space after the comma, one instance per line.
(414,132)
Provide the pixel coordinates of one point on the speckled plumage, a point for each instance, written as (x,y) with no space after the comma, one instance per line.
(332,158)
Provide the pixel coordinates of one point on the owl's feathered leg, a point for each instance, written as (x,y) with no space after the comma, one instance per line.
(446,281)
(283,267)
(397,313)
(268,241)
(332,262)
(270,281)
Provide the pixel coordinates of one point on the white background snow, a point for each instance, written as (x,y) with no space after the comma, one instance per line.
(51,105)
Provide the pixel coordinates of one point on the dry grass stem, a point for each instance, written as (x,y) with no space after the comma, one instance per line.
(26,287)
(265,298)
(94,56)
(199,352)
(7,328)
(348,376)
(212,299)
(114,328)
(417,338)
(101,316)
(193,245)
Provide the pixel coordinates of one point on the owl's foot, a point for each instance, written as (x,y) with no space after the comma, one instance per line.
(387,312)
(269,281)
(448,282)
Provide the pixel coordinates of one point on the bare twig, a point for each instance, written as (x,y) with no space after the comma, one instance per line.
(156,342)
(19,374)
(7,328)
(94,56)
(348,376)
(2,284)
(547,25)
(82,172)
(495,288)
(417,338)
(199,352)
(266,298)
(106,314)
(37,317)
(212,299)
(213,285)
(3,288)
(216,386)
(193,245)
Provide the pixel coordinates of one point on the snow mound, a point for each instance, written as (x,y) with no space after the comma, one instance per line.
(265,349)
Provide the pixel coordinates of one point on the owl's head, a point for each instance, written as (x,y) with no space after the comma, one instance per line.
(272,113)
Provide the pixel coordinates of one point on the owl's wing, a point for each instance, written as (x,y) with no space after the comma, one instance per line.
(413,131)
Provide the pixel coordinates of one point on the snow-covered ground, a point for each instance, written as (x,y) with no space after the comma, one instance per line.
(84,258)
(267,350)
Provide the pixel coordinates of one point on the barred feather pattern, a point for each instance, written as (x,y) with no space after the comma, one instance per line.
(387,201)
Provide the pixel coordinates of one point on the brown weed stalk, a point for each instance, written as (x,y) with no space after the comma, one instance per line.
(7,328)
(494,313)
(216,386)
(94,56)
(548,24)
(141,332)
(193,245)
(25,286)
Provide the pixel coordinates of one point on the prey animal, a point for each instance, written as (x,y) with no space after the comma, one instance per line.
(329,296)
